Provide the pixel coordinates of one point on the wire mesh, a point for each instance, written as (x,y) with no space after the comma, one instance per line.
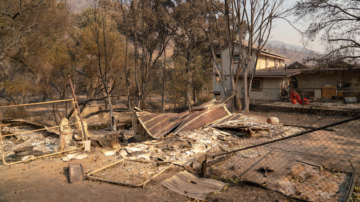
(129,172)
(294,157)
(36,130)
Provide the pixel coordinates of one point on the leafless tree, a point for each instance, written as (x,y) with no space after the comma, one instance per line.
(122,5)
(258,16)
(337,23)
(167,27)
(100,19)
(211,13)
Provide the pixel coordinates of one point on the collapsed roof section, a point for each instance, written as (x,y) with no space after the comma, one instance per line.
(156,125)
(159,124)
(203,118)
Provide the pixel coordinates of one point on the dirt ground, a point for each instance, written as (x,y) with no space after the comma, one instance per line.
(46,179)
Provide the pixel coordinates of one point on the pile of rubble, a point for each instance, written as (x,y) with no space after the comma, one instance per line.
(157,139)
(180,149)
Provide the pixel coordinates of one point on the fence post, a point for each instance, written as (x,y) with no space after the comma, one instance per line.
(303,102)
(2,145)
(78,108)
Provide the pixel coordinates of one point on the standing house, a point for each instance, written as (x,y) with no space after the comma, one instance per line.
(270,74)
(334,79)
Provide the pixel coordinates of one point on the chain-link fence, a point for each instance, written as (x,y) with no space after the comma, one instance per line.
(307,157)
(31,131)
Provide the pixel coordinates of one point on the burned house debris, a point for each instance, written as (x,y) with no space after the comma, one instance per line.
(262,150)
(148,125)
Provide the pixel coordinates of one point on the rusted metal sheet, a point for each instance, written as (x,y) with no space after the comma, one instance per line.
(232,117)
(159,124)
(76,172)
(187,184)
(210,104)
(198,108)
(203,118)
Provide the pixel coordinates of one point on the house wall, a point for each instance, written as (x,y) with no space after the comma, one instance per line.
(318,80)
(271,62)
(261,64)
(216,85)
(271,89)
(226,65)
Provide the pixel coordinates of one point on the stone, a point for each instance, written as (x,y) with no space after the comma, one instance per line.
(144,156)
(273,120)
(109,153)
(195,165)
(151,148)
(65,159)
(123,153)
(297,170)
(81,156)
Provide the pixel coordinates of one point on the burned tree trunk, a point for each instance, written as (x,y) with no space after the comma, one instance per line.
(188,79)
(163,90)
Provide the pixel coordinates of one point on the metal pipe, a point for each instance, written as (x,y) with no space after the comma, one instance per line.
(30,131)
(2,148)
(78,108)
(38,157)
(39,103)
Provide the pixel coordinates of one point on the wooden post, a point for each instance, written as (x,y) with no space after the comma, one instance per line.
(2,146)
(78,108)
(303,102)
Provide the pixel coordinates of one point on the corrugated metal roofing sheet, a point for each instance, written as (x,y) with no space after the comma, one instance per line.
(187,184)
(159,124)
(203,118)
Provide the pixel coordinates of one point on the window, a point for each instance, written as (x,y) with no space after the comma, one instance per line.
(236,58)
(343,83)
(256,84)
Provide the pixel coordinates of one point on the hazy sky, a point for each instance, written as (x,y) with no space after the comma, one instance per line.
(284,32)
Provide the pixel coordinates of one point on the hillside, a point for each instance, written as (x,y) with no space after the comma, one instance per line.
(291,52)
(76,6)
